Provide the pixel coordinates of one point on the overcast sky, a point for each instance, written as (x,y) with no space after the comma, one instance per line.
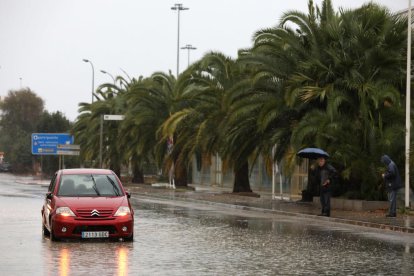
(43,42)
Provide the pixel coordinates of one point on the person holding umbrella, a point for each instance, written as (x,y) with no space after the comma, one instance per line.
(324,173)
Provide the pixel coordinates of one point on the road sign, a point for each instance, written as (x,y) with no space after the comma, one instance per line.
(68,147)
(47,143)
(114,117)
(67,152)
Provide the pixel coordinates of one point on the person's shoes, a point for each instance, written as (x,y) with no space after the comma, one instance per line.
(390,216)
(323,215)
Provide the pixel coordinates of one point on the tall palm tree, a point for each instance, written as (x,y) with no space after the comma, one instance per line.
(201,121)
(127,135)
(87,126)
(150,102)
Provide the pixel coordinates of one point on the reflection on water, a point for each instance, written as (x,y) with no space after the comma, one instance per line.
(64,262)
(81,258)
(122,261)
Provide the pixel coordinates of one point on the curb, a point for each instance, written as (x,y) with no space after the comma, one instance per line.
(32,183)
(374,225)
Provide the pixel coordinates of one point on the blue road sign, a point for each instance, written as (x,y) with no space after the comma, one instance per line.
(47,143)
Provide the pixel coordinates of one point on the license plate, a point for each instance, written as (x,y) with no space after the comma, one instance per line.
(97,234)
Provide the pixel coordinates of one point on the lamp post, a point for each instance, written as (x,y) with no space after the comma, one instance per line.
(408,112)
(178,8)
(104,72)
(188,47)
(93,76)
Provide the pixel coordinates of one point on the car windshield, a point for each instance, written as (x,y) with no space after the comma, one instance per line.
(74,185)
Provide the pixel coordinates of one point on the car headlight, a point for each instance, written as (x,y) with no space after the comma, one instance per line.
(65,211)
(122,211)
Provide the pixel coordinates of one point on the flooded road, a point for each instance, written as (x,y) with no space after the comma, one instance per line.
(186,239)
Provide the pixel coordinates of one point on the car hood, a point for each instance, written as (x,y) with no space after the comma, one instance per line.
(94,202)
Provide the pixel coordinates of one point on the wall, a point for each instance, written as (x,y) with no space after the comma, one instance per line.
(212,174)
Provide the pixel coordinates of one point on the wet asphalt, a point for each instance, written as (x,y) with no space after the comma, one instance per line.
(188,238)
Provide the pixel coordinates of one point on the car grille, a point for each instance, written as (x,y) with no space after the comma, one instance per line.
(86,228)
(94,213)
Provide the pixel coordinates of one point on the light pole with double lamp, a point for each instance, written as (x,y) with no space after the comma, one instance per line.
(93,76)
(104,72)
(178,8)
(188,47)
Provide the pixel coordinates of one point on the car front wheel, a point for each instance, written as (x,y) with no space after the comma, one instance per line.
(51,235)
(130,238)
(45,231)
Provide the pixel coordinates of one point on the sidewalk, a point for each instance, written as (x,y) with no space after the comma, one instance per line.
(264,203)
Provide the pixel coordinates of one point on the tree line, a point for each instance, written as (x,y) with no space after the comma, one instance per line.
(23,113)
(325,78)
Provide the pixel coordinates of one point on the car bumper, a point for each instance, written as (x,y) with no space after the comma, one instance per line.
(70,227)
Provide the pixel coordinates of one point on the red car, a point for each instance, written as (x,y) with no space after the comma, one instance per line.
(86,204)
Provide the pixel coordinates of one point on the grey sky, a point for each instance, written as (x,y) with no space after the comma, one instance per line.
(43,42)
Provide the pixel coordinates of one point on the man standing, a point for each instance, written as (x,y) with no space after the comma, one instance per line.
(325,173)
(392,182)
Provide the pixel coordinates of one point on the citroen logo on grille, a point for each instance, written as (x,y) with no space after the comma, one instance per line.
(94,212)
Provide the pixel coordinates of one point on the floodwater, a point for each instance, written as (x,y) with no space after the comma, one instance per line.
(194,240)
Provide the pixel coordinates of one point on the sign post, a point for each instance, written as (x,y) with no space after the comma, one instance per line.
(106,117)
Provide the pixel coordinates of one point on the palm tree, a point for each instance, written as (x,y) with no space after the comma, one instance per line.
(87,125)
(127,135)
(150,102)
(341,88)
(201,122)
(356,78)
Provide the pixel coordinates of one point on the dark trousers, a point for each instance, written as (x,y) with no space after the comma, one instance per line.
(326,200)
(392,198)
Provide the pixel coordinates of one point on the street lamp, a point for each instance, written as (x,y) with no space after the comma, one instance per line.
(408,112)
(93,76)
(104,72)
(178,8)
(188,47)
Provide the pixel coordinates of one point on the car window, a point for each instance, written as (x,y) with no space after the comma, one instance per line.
(89,185)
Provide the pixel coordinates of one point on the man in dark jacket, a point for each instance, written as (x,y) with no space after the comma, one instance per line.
(392,182)
(325,174)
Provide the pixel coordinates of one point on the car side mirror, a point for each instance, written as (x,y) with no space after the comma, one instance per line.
(128,194)
(49,195)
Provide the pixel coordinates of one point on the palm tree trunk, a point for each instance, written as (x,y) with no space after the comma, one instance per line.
(116,169)
(137,174)
(241,179)
(180,174)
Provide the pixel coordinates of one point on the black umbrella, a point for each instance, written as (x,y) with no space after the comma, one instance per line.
(312,153)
